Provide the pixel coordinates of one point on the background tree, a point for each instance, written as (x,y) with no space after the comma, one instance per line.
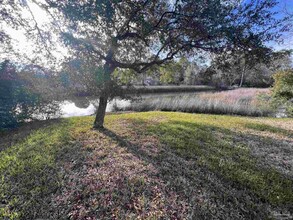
(283,86)
(206,77)
(171,73)
(253,67)
(178,72)
(261,75)
(190,73)
(235,64)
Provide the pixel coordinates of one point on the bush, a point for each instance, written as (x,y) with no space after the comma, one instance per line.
(283,90)
(13,98)
(283,86)
(17,102)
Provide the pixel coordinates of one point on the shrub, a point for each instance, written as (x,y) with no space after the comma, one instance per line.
(14,103)
(283,86)
(282,91)
(18,103)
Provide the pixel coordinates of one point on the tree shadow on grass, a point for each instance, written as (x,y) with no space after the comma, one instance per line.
(218,163)
(218,179)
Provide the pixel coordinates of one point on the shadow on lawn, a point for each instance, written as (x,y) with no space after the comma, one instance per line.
(217,179)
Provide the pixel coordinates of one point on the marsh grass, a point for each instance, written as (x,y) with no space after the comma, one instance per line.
(249,102)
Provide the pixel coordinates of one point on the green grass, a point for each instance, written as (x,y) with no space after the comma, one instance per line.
(33,171)
(233,161)
(268,128)
(29,171)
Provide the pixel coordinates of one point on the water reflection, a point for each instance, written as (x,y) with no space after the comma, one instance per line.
(69,109)
(82,107)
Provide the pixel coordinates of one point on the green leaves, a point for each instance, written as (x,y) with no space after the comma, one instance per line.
(283,91)
(283,86)
(171,72)
(18,100)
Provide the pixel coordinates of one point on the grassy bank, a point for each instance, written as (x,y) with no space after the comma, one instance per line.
(151,165)
(249,102)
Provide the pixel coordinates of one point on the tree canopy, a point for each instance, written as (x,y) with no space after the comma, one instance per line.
(138,34)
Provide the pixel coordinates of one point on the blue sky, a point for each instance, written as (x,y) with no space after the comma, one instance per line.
(285,6)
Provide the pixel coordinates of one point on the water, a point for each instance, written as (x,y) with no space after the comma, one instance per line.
(69,108)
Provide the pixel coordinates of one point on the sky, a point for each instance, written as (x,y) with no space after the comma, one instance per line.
(24,45)
(20,41)
(285,6)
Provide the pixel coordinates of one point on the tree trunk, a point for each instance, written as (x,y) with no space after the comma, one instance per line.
(242,79)
(143,79)
(99,120)
(242,74)
(101,112)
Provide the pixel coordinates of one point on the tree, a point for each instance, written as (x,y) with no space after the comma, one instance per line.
(178,72)
(234,64)
(261,75)
(237,65)
(206,75)
(85,77)
(138,34)
(283,86)
(190,73)
(171,73)
(17,20)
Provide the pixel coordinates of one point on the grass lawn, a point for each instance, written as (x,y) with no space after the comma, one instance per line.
(153,165)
